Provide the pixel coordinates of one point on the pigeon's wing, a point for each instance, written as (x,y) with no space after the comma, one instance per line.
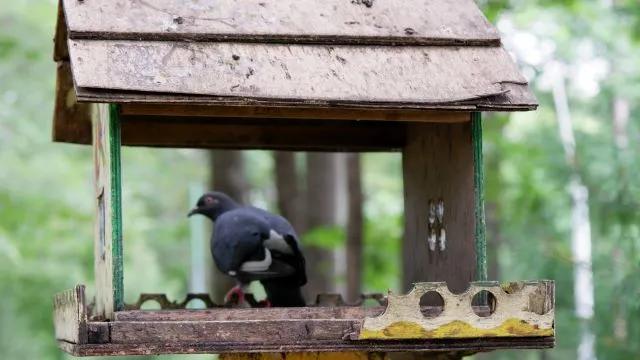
(239,251)
(281,226)
(298,260)
(277,269)
(284,242)
(236,236)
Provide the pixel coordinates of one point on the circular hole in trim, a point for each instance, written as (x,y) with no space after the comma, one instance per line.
(196,304)
(484,303)
(150,304)
(431,304)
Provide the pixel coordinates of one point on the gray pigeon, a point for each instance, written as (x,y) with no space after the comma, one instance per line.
(251,244)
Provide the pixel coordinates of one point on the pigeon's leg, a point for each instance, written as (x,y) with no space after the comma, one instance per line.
(264,303)
(237,294)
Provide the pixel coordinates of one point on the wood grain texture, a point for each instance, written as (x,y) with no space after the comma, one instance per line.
(437,164)
(501,102)
(308,356)
(294,21)
(60,50)
(278,134)
(201,347)
(261,112)
(280,331)
(245,133)
(302,75)
(103,257)
(71,120)
(70,315)
(339,312)
(521,309)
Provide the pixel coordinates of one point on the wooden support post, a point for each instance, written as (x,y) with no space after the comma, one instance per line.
(70,316)
(108,210)
(438,165)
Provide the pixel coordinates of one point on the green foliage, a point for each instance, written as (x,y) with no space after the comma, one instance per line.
(324,237)
(382,252)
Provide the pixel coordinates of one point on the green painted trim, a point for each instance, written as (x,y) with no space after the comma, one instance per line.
(481,242)
(116,207)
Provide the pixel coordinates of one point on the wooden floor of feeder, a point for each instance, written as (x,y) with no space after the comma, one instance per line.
(522,317)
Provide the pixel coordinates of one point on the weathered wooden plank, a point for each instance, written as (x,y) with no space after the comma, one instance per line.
(60,50)
(501,102)
(517,95)
(279,134)
(521,309)
(364,355)
(238,314)
(438,165)
(249,331)
(108,241)
(339,312)
(223,133)
(103,259)
(200,347)
(263,112)
(329,21)
(70,315)
(345,75)
(71,120)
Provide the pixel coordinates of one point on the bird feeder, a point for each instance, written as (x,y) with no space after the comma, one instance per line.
(300,75)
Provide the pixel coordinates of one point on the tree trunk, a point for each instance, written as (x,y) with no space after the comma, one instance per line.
(355,225)
(321,211)
(621,139)
(580,224)
(290,198)
(228,176)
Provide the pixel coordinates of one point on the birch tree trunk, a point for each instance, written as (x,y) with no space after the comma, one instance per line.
(580,224)
(621,139)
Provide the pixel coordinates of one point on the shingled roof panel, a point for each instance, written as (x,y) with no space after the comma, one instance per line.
(335,21)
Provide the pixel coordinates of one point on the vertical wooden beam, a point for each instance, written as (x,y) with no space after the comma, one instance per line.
(108,211)
(438,163)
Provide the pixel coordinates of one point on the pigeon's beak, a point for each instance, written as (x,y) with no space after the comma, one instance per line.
(195,210)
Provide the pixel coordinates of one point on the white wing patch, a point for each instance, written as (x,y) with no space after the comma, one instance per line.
(255,266)
(276,242)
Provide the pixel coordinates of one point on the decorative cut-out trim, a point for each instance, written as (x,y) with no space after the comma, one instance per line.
(522,309)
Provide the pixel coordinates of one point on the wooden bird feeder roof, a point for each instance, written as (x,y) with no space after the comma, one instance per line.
(286,59)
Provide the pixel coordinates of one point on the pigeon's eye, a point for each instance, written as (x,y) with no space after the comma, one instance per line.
(210,201)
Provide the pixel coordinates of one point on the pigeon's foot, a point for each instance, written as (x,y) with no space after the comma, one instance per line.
(234,296)
(264,303)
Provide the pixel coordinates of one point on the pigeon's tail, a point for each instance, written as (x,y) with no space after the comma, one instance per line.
(283,292)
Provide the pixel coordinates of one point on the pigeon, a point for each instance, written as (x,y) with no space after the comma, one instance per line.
(252,244)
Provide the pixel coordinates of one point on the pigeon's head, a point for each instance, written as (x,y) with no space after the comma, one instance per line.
(213,204)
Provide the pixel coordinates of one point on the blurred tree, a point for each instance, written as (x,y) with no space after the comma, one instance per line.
(290,199)
(355,226)
(322,204)
(228,176)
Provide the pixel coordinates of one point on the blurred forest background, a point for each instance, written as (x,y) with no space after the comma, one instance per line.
(582,60)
